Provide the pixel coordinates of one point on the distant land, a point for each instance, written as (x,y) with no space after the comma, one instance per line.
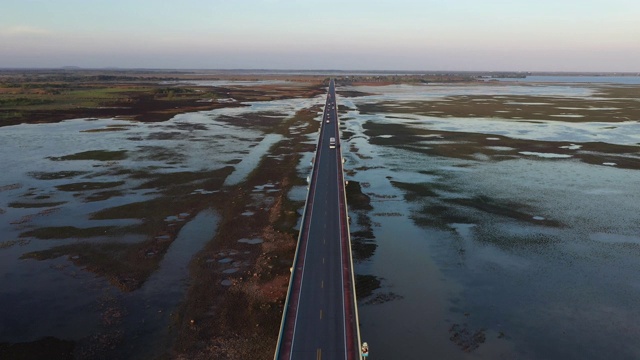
(491,74)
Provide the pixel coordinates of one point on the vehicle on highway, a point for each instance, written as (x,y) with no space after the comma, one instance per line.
(332,143)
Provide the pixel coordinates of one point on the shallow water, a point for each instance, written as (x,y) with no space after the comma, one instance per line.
(536,291)
(152,305)
(252,159)
(406,93)
(57,298)
(630,80)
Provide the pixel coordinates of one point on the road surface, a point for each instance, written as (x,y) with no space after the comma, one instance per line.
(321,322)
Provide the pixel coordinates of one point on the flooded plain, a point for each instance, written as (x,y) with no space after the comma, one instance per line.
(508,231)
(489,221)
(101,219)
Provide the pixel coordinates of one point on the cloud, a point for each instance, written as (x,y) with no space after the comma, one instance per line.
(21,31)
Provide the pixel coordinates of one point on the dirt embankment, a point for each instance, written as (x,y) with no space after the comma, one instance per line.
(235,314)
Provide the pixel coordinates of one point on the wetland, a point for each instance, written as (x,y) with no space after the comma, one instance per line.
(152,215)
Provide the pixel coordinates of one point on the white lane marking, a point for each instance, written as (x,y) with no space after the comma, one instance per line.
(295,324)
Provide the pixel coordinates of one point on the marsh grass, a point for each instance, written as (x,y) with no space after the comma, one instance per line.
(56,175)
(63,349)
(252,306)
(211,179)
(414,191)
(97,155)
(366,285)
(546,108)
(356,199)
(468,146)
(84,186)
(125,265)
(506,209)
(28,205)
(68,232)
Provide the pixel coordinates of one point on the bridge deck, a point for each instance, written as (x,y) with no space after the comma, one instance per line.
(320,315)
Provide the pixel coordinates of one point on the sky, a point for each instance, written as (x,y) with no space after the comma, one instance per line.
(420,35)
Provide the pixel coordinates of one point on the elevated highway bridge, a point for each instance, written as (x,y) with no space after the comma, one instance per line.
(320,317)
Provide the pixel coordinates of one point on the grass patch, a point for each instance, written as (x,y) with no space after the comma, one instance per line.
(54,348)
(106,129)
(68,232)
(104,195)
(519,242)
(366,285)
(511,210)
(83,186)
(158,209)
(362,248)
(125,265)
(413,191)
(98,155)
(24,205)
(213,178)
(56,175)
(252,307)
(517,107)
(356,199)
(159,153)
(439,216)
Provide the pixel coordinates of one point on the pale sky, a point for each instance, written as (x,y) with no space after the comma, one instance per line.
(475,35)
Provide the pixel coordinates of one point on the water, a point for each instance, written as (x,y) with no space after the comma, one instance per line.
(252,159)
(151,307)
(57,298)
(533,290)
(627,80)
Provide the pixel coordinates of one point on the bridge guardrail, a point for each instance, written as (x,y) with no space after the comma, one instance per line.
(346,209)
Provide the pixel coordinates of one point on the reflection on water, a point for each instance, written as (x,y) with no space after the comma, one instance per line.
(557,281)
(405,93)
(152,305)
(251,160)
(101,165)
(577,79)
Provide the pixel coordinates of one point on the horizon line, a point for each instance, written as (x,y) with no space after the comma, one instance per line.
(373,71)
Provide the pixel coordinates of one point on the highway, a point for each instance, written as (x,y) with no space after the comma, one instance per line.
(320,320)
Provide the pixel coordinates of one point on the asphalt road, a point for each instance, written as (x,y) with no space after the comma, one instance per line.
(320,325)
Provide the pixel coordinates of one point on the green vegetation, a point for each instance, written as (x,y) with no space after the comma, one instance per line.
(56,175)
(98,155)
(173,179)
(507,209)
(83,186)
(517,107)
(68,232)
(52,95)
(252,306)
(356,199)
(53,347)
(366,285)
(125,265)
(26,205)
(515,242)
(104,195)
(415,191)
